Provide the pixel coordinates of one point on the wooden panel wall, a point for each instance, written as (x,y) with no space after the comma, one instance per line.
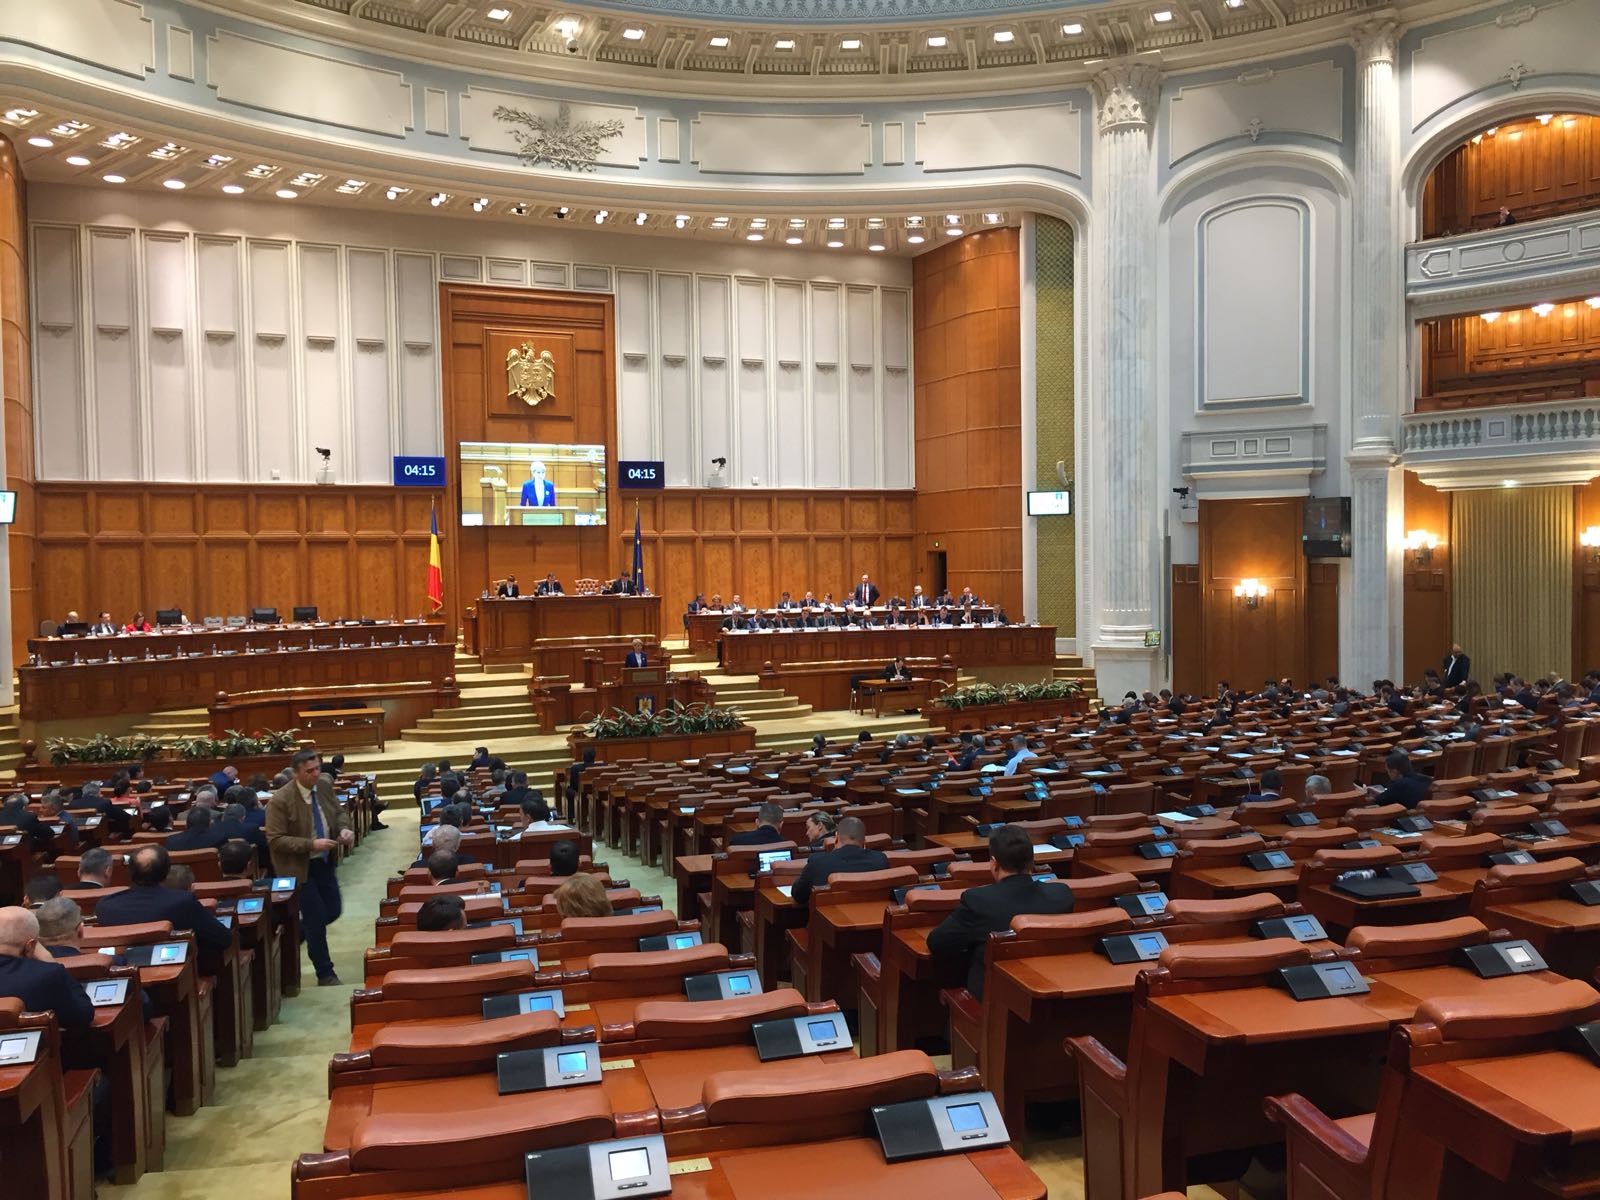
(1293,632)
(1565,342)
(16,392)
(479,322)
(968,345)
(1427,630)
(1534,170)
(222,549)
(761,543)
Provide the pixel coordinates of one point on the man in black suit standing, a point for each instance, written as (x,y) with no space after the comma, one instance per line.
(866,593)
(989,909)
(849,856)
(637,657)
(509,587)
(146,900)
(769,819)
(1457,667)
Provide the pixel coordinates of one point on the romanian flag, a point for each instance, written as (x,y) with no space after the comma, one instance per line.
(435,567)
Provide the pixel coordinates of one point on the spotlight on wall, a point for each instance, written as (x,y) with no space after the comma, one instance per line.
(1489,318)
(1421,545)
(1249,593)
(1589,539)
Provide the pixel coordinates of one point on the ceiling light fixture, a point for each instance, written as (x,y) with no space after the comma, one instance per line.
(437,199)
(835,222)
(114,179)
(913,222)
(834,245)
(794,239)
(118,140)
(755,237)
(952,218)
(1004,35)
(77,160)
(876,247)
(916,239)
(1161,16)
(797,222)
(167,151)
(850,44)
(41,142)
(719,222)
(1073,29)
(1545,309)
(306,179)
(481,203)
(1593,301)
(287,194)
(600,217)
(954,231)
(19,115)
(783,44)
(1234,3)
(681,221)
(641,218)
(262,171)
(991,218)
(633,33)
(1489,318)
(232,189)
(213,161)
(561,213)
(498,14)
(720,42)
(938,42)
(176,185)
(352,187)
(519,209)
(1544,118)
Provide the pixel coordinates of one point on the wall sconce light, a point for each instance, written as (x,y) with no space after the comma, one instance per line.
(1250,592)
(1421,543)
(1589,539)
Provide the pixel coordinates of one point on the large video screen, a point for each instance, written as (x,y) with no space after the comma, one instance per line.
(526,483)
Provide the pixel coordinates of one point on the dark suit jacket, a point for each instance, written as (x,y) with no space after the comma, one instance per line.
(194,839)
(890,675)
(761,835)
(244,832)
(1407,789)
(548,587)
(509,589)
(143,903)
(25,822)
(989,909)
(844,860)
(1457,669)
(869,596)
(46,987)
(640,659)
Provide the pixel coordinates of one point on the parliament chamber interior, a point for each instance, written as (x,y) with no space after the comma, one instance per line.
(776,599)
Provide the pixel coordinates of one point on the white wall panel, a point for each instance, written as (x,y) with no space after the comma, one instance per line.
(272,376)
(323,415)
(222,398)
(712,301)
(296,83)
(1042,135)
(895,380)
(372,401)
(1254,317)
(483,132)
(1308,99)
(679,441)
(792,426)
(827,433)
(750,144)
(636,435)
(114,34)
(59,393)
(861,380)
(114,413)
(169,385)
(754,402)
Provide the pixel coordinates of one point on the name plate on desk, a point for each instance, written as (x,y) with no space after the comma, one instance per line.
(106,993)
(670,941)
(1318,981)
(528,954)
(164,954)
(1498,959)
(943,1125)
(1511,858)
(551,1067)
(18,1047)
(602,1171)
(1142,904)
(722,985)
(1123,948)
(1300,928)
(1156,849)
(794,1037)
(1300,820)
(522,1003)
(1584,891)
(1269,860)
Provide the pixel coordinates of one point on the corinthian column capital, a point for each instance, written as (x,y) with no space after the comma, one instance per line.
(1376,39)
(1126,94)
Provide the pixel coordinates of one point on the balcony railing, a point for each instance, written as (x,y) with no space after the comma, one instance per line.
(1541,260)
(1524,443)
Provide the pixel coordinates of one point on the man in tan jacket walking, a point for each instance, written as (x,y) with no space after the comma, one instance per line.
(305,825)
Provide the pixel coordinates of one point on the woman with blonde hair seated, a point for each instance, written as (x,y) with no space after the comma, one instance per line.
(582,896)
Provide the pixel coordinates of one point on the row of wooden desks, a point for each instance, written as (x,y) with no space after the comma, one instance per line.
(968,646)
(705,627)
(509,630)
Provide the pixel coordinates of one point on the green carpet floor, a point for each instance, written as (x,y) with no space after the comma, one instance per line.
(272,1107)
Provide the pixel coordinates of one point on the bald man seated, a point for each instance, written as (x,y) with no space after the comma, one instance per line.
(30,973)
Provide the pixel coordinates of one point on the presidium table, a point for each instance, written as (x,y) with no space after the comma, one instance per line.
(506,630)
(69,677)
(964,645)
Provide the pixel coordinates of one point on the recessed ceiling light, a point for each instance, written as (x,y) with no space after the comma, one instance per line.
(954,231)
(233,189)
(1004,35)
(875,247)
(1544,310)
(681,221)
(498,14)
(437,199)
(1073,29)
(794,239)
(834,245)
(916,239)
(117,141)
(850,44)
(600,217)
(1161,16)
(633,34)
(41,141)
(783,44)
(641,218)
(77,160)
(720,42)
(18,115)
(114,179)
(287,194)
(352,187)
(755,237)
(216,160)
(952,218)
(1234,3)
(176,185)
(991,218)
(938,42)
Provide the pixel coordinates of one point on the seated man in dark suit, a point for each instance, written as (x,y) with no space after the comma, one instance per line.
(989,909)
(94,868)
(441,913)
(197,833)
(147,900)
(233,827)
(16,815)
(769,818)
(237,859)
(636,656)
(622,585)
(897,671)
(1406,785)
(30,973)
(1270,788)
(564,858)
(442,866)
(849,856)
(549,586)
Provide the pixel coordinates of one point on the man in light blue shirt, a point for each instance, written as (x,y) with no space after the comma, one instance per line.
(1019,753)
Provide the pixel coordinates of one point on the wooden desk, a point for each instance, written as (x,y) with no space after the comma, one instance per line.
(188,669)
(506,630)
(705,627)
(900,696)
(967,646)
(343,728)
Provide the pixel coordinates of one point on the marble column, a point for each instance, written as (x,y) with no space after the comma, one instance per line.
(1377,378)
(1128,555)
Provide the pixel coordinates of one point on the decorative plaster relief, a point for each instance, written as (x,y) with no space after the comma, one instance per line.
(1308,100)
(483,132)
(1278,460)
(293,83)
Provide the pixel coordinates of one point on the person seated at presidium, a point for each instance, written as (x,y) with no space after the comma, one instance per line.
(849,856)
(622,585)
(509,587)
(549,586)
(538,492)
(990,907)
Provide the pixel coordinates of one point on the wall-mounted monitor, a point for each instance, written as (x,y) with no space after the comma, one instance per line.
(8,508)
(532,483)
(1049,504)
(1325,532)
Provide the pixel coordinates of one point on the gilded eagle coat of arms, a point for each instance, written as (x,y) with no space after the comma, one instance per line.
(530,376)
